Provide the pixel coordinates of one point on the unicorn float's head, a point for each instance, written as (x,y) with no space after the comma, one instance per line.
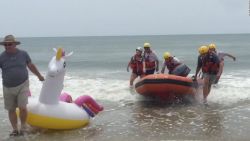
(57,64)
(53,83)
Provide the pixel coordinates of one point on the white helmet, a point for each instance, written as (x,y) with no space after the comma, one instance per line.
(139,49)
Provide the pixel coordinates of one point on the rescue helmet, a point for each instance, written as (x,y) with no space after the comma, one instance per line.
(212,46)
(167,55)
(146,45)
(139,49)
(203,49)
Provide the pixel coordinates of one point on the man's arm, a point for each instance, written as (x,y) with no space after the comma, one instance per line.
(35,71)
(223,54)
(231,56)
(163,67)
(128,66)
(157,65)
(199,64)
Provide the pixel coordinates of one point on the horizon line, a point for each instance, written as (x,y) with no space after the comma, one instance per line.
(126,35)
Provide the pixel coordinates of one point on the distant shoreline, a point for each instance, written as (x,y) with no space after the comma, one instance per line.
(74,36)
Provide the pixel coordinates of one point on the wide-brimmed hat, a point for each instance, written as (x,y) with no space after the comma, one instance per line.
(9,39)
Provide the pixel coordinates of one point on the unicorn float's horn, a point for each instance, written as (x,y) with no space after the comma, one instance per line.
(89,104)
(60,53)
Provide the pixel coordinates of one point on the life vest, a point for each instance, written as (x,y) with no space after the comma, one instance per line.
(148,63)
(172,64)
(136,64)
(209,64)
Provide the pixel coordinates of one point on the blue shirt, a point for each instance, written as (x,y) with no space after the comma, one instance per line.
(14,67)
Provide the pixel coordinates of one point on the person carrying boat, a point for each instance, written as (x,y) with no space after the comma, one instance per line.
(221,55)
(136,65)
(174,66)
(209,62)
(151,60)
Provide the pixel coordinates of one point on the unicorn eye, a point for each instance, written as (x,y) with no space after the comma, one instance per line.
(64,64)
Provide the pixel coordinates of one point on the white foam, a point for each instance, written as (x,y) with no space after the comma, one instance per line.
(98,88)
(232,88)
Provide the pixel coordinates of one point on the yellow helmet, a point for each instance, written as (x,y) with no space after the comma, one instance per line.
(203,49)
(212,46)
(166,55)
(147,45)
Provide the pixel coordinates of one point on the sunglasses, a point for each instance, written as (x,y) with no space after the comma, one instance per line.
(8,44)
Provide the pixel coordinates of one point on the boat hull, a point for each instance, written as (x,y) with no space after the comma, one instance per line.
(164,86)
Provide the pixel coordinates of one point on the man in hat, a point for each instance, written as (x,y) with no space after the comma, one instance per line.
(14,63)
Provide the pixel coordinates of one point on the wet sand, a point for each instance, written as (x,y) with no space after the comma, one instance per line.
(147,120)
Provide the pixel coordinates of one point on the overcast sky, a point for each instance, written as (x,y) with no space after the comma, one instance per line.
(36,18)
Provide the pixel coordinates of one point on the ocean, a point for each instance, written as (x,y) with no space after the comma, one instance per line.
(98,68)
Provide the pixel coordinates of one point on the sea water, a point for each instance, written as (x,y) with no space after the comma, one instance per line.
(98,68)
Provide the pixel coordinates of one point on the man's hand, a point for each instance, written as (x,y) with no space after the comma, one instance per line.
(157,69)
(194,78)
(41,78)
(217,77)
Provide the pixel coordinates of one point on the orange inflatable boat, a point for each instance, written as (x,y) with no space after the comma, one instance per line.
(166,87)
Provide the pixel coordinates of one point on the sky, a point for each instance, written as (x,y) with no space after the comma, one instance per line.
(51,18)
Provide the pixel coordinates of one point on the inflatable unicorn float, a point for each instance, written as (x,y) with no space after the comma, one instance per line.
(55,109)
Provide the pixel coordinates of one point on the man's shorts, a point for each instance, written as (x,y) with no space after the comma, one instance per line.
(138,73)
(16,96)
(151,71)
(212,77)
